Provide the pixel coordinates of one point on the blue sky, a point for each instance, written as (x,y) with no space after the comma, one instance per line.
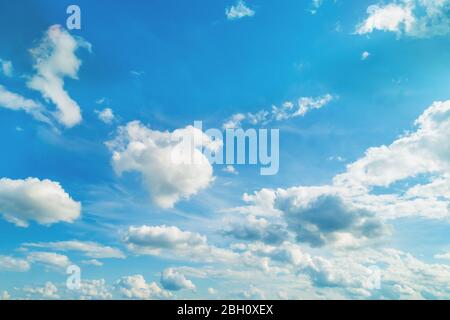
(364,172)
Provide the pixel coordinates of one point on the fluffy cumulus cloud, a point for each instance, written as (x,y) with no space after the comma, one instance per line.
(43,201)
(174,281)
(88,248)
(171,242)
(418,18)
(16,102)
(286,111)
(172,168)
(12,264)
(238,11)
(54,59)
(106,115)
(136,287)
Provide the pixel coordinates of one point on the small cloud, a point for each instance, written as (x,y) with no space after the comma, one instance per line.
(239,11)
(137,73)
(365,55)
(212,291)
(92,262)
(230,169)
(106,115)
(336,158)
(315,6)
(100,101)
(6,67)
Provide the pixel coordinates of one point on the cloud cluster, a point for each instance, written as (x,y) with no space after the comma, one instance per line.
(159,158)
(43,201)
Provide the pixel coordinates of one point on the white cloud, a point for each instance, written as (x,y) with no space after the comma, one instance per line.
(286,111)
(90,249)
(365,55)
(230,169)
(16,102)
(50,259)
(135,287)
(174,281)
(43,201)
(106,115)
(417,18)
(238,11)
(171,242)
(6,67)
(13,264)
(55,59)
(152,153)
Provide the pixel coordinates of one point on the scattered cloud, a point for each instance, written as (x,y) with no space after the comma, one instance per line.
(43,201)
(239,11)
(55,59)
